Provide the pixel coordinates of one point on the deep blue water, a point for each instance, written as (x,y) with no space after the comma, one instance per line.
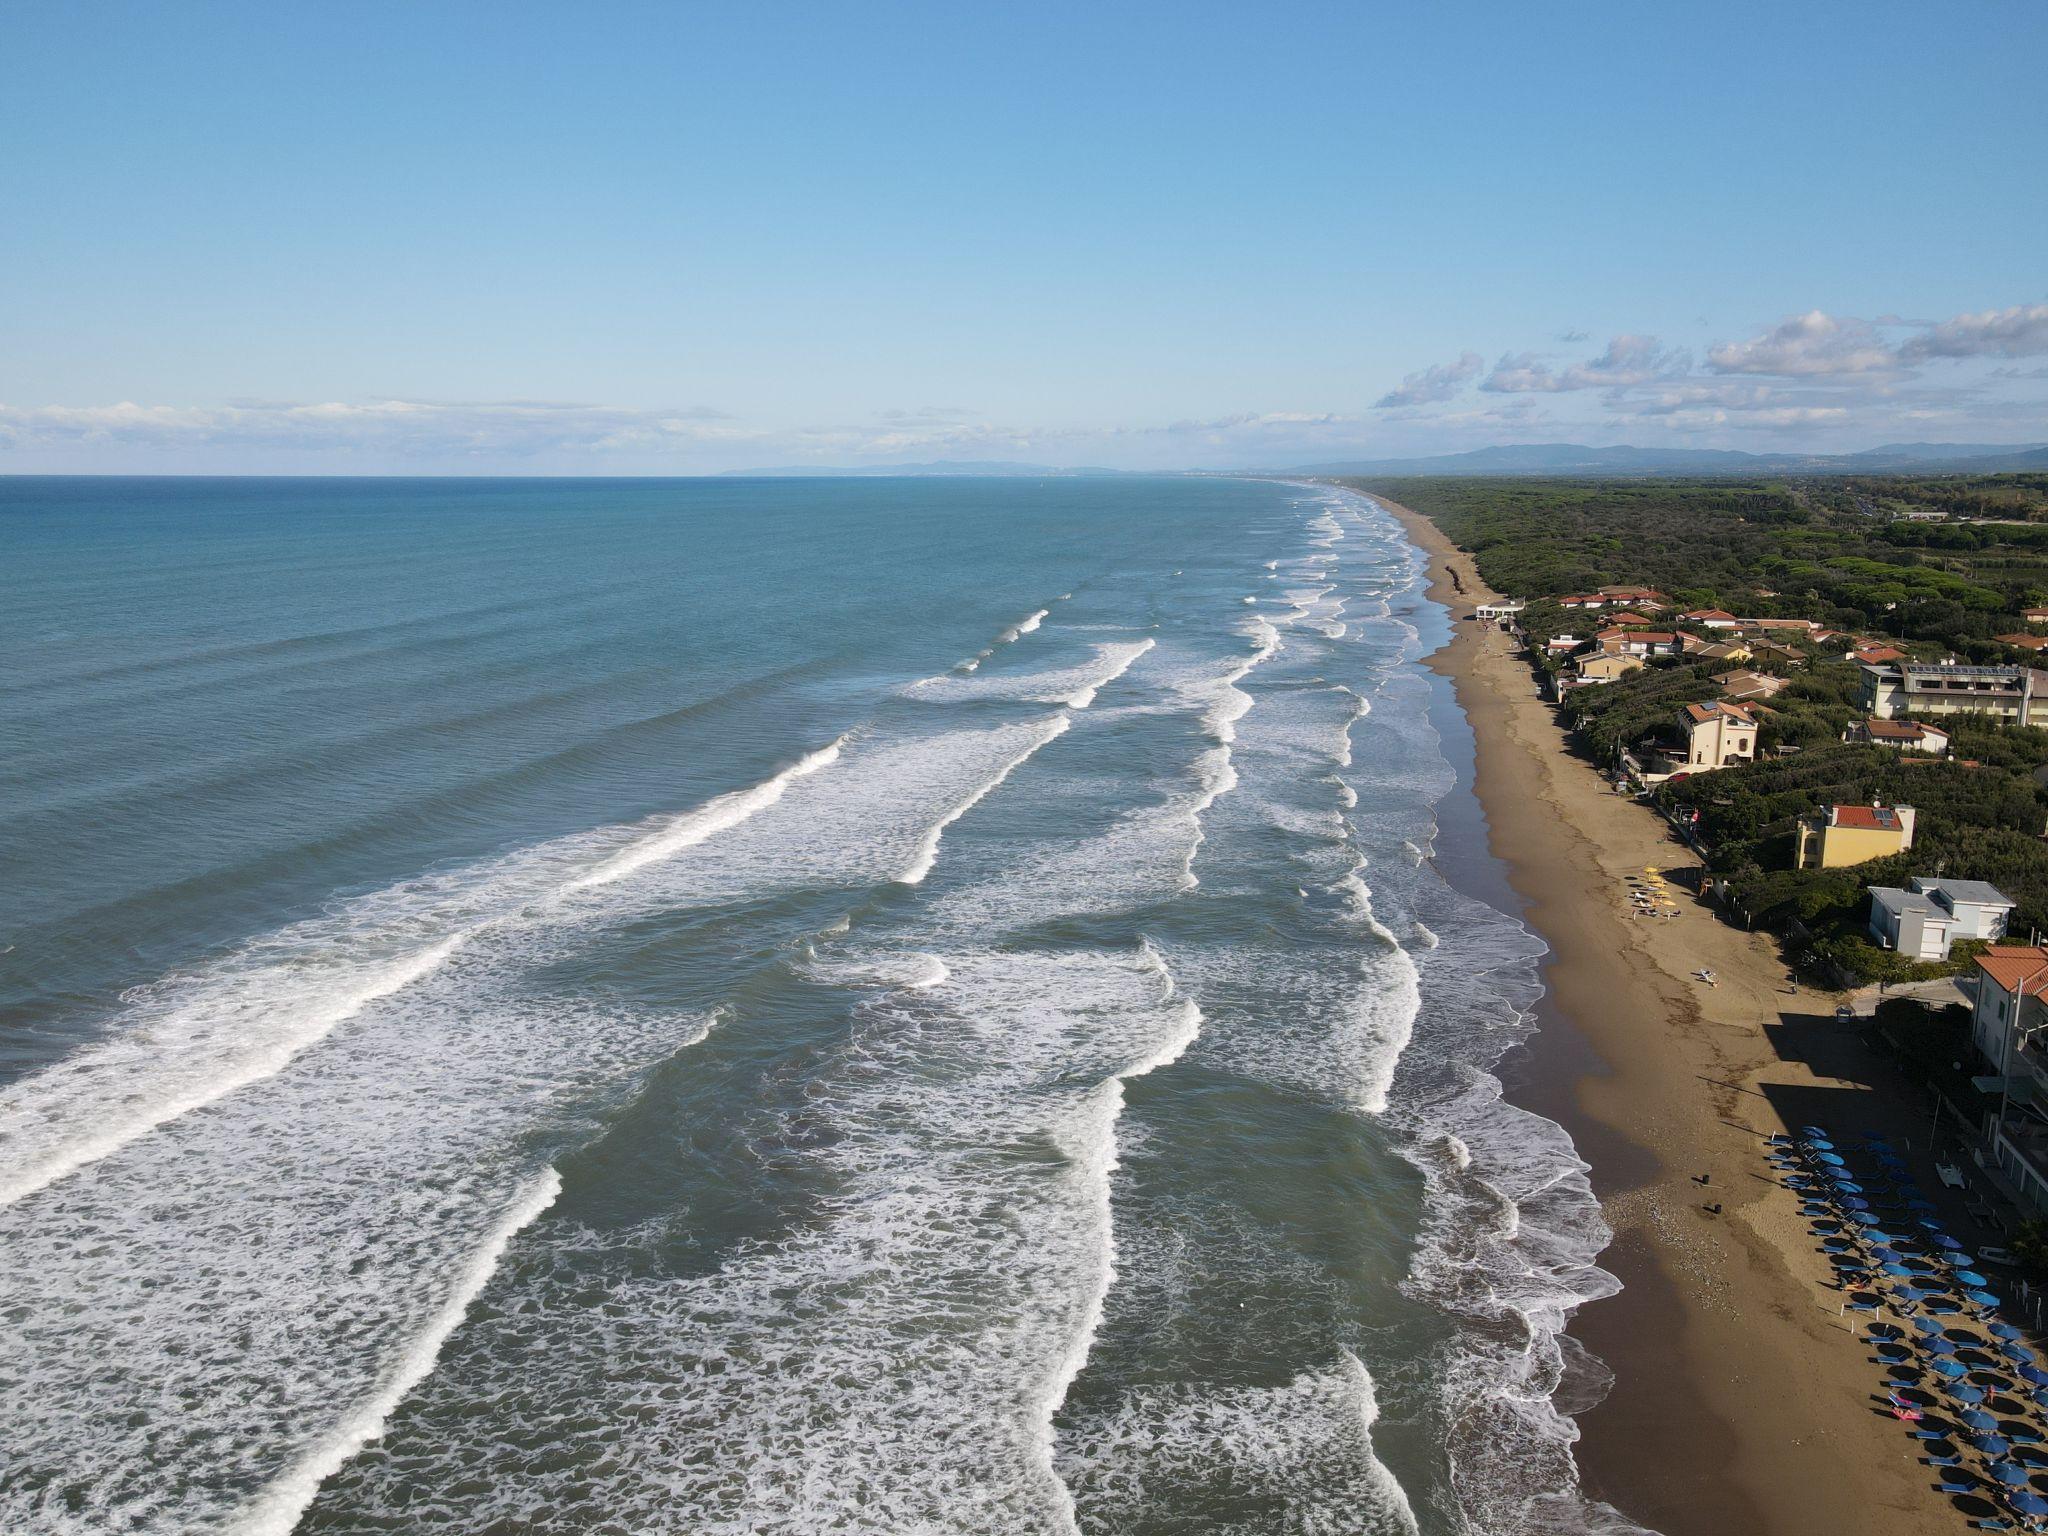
(799,1006)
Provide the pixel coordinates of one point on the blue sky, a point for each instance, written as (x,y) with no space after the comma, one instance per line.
(622,238)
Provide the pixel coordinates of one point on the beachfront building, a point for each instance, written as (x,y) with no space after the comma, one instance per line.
(1924,921)
(1900,736)
(1497,610)
(1639,642)
(1843,835)
(1637,597)
(1711,618)
(1724,650)
(1750,685)
(1605,666)
(2014,695)
(2006,1023)
(1717,735)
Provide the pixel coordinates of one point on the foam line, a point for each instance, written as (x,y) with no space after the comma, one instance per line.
(276,1510)
(708,820)
(927,853)
(1117,669)
(69,1153)
(1099,1164)
(246,1021)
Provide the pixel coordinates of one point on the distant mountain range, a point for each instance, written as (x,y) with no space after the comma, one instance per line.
(1575,459)
(1539,459)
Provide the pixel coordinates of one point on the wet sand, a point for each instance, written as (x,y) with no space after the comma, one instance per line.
(1743,1400)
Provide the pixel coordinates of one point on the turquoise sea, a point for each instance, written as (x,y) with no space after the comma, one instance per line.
(898,1006)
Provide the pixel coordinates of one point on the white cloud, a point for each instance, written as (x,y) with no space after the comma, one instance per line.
(1629,360)
(1433,384)
(2021,331)
(1811,345)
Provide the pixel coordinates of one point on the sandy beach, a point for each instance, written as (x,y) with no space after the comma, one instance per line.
(1743,1400)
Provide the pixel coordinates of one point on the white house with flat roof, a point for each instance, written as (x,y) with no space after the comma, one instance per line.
(1502,608)
(1924,921)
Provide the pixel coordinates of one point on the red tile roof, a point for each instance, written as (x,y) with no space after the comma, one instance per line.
(1867,818)
(1702,713)
(2013,966)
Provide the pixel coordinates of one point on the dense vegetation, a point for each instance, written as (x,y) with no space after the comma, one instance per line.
(1836,551)
(1843,553)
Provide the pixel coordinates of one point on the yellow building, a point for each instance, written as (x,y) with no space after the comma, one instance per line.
(1606,666)
(1853,834)
(1717,735)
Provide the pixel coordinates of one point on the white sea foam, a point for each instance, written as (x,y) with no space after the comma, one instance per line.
(192,1039)
(926,854)
(276,1510)
(1023,626)
(710,819)
(888,1364)
(1117,661)
(1267,1444)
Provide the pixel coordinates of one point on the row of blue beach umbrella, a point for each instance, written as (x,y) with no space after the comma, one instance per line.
(1879,1231)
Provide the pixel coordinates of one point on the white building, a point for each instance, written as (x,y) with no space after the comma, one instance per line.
(1924,921)
(2008,1023)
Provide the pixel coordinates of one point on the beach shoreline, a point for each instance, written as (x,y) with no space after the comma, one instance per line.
(1741,1401)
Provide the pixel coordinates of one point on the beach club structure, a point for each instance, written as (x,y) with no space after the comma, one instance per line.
(1924,921)
(1955,1372)
(2009,1026)
(1498,610)
(2014,695)
(1842,835)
